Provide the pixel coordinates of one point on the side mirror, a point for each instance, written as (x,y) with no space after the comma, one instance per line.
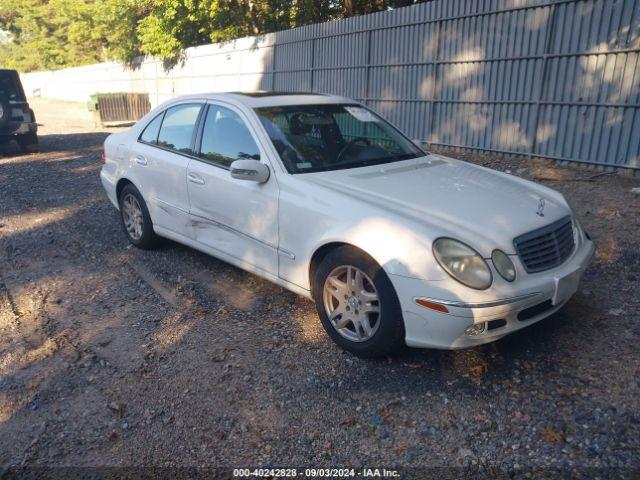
(252,170)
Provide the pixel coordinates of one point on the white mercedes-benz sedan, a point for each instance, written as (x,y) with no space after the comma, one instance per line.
(322,196)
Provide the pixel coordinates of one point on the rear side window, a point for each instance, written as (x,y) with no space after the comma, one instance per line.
(226,138)
(150,134)
(177,127)
(10,87)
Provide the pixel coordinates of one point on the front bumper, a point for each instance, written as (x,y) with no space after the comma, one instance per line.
(500,305)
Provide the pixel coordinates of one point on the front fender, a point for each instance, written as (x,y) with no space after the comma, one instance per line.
(398,249)
(311,217)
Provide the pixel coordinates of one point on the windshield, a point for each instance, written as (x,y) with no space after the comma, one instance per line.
(313,138)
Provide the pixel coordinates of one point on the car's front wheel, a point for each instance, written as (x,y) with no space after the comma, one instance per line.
(136,220)
(357,303)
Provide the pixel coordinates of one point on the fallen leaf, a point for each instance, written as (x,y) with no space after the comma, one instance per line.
(117,408)
(477,372)
(550,435)
(385,410)
(348,422)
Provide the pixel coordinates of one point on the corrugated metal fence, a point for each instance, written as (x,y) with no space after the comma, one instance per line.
(557,79)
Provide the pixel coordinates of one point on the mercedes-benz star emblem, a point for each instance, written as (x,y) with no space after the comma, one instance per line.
(540,211)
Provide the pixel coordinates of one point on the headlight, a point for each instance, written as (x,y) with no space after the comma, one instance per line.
(503,265)
(463,263)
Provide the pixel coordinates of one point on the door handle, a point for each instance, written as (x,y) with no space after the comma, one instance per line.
(195,178)
(140,160)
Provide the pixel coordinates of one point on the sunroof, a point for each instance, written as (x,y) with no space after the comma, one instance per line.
(272,94)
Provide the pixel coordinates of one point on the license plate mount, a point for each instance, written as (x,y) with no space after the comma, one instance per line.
(566,286)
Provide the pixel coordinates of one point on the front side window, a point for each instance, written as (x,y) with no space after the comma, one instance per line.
(177,127)
(226,138)
(312,138)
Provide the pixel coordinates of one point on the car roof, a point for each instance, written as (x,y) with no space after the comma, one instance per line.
(270,99)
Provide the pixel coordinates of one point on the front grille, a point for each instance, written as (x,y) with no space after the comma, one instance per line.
(546,247)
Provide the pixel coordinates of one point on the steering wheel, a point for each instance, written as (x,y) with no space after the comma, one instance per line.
(350,144)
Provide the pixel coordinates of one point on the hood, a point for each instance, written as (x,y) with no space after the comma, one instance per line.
(482,207)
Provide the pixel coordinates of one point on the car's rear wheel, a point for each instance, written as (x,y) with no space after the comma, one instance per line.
(28,142)
(135,218)
(357,303)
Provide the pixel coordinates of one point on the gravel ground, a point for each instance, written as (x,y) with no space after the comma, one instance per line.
(111,356)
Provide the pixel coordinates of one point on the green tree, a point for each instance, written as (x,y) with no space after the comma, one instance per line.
(50,34)
(117,27)
(173,25)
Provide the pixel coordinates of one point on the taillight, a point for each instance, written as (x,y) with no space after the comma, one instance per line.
(103,157)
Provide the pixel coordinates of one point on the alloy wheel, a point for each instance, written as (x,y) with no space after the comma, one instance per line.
(132,216)
(352,303)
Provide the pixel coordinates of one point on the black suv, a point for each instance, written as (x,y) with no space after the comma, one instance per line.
(17,120)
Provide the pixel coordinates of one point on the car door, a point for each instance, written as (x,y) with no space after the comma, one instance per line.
(236,217)
(160,158)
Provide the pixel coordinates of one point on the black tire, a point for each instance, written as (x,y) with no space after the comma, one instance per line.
(389,337)
(148,240)
(28,142)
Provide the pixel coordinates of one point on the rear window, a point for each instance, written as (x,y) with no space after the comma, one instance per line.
(10,87)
